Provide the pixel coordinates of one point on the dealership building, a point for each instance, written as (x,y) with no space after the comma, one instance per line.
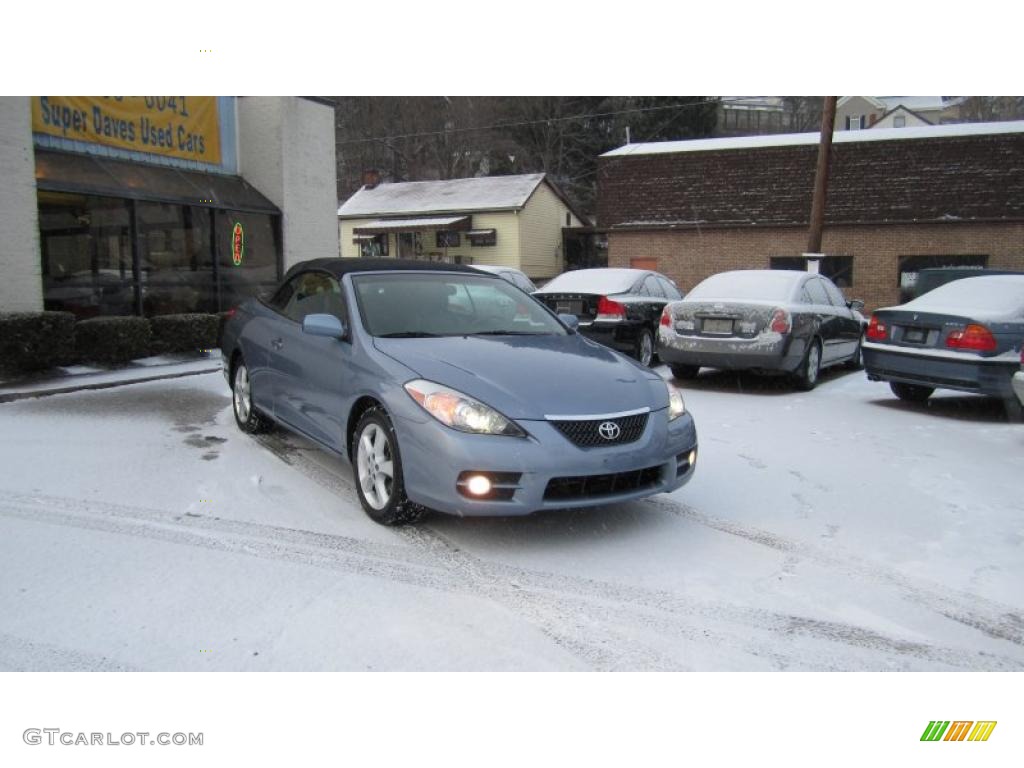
(899,200)
(155,205)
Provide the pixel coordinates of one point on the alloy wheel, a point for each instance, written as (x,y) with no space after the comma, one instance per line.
(242,394)
(375,466)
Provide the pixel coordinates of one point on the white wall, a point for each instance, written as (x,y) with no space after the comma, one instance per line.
(21,282)
(286,151)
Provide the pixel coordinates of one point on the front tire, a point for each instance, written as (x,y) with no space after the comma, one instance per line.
(810,368)
(910,393)
(377,464)
(644,350)
(684,371)
(856,362)
(247,418)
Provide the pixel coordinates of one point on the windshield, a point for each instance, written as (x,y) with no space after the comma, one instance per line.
(753,285)
(412,305)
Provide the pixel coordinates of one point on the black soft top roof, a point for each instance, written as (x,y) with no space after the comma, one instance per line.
(340,267)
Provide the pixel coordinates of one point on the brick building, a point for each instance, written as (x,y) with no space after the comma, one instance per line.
(899,200)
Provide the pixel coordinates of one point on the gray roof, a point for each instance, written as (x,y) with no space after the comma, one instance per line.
(486,193)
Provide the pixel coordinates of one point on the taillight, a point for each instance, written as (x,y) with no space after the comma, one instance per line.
(780,322)
(974,337)
(666,318)
(230,313)
(877,330)
(610,310)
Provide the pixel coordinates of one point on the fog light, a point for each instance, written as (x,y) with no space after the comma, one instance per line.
(478,485)
(693,457)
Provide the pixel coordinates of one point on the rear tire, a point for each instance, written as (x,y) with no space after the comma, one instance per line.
(810,367)
(377,467)
(1014,410)
(910,393)
(644,349)
(685,371)
(247,418)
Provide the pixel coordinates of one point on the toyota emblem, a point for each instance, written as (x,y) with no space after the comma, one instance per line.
(609,430)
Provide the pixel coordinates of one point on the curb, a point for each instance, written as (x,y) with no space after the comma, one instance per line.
(13,396)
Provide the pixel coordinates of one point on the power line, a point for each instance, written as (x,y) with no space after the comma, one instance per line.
(519,124)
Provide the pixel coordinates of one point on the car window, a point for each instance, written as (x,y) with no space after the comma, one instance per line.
(805,297)
(834,294)
(816,290)
(653,288)
(280,299)
(669,289)
(523,282)
(315,293)
(640,289)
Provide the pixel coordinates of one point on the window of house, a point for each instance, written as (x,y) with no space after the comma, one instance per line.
(899,121)
(838,269)
(855,123)
(479,238)
(373,247)
(911,266)
(446,239)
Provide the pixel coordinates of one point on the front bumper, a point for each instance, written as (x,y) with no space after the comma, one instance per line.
(942,370)
(769,352)
(434,456)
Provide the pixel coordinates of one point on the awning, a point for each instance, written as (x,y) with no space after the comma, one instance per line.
(450,223)
(481,232)
(93,175)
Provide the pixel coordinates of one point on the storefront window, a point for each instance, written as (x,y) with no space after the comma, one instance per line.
(246,255)
(175,259)
(85,243)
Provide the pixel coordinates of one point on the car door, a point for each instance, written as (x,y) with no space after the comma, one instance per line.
(829,324)
(311,372)
(847,325)
(654,299)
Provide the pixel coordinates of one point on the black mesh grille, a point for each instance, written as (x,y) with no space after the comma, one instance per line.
(595,486)
(587,434)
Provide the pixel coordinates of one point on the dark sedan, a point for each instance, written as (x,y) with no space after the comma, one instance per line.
(616,307)
(765,320)
(965,335)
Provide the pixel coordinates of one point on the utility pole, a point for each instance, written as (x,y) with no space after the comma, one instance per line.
(828,120)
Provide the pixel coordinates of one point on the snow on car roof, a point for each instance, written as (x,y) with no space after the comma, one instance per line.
(602,281)
(748,284)
(988,297)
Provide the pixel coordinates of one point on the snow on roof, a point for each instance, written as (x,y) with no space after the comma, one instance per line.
(839,137)
(915,103)
(411,197)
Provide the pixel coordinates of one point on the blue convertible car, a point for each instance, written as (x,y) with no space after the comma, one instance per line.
(453,390)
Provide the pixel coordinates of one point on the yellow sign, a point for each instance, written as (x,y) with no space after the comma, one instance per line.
(175,126)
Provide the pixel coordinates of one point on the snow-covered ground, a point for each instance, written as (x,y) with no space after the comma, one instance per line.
(839,529)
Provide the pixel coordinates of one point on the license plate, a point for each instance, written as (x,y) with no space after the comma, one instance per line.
(914,335)
(717,326)
(569,307)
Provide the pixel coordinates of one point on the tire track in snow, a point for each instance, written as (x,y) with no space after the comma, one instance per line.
(994,619)
(594,620)
(20,655)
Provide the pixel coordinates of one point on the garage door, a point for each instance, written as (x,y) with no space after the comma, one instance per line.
(651,264)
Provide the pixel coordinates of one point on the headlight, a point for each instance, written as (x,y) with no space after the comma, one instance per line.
(676,407)
(459,411)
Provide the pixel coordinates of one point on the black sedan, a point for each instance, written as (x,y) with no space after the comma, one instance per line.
(765,320)
(619,308)
(965,335)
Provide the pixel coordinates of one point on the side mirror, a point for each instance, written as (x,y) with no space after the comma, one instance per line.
(570,320)
(323,325)
(856,305)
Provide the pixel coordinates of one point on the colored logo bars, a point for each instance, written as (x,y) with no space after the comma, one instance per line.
(958,730)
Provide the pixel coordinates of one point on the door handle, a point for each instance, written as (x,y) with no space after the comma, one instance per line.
(277,343)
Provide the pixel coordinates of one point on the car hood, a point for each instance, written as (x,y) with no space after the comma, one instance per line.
(530,377)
